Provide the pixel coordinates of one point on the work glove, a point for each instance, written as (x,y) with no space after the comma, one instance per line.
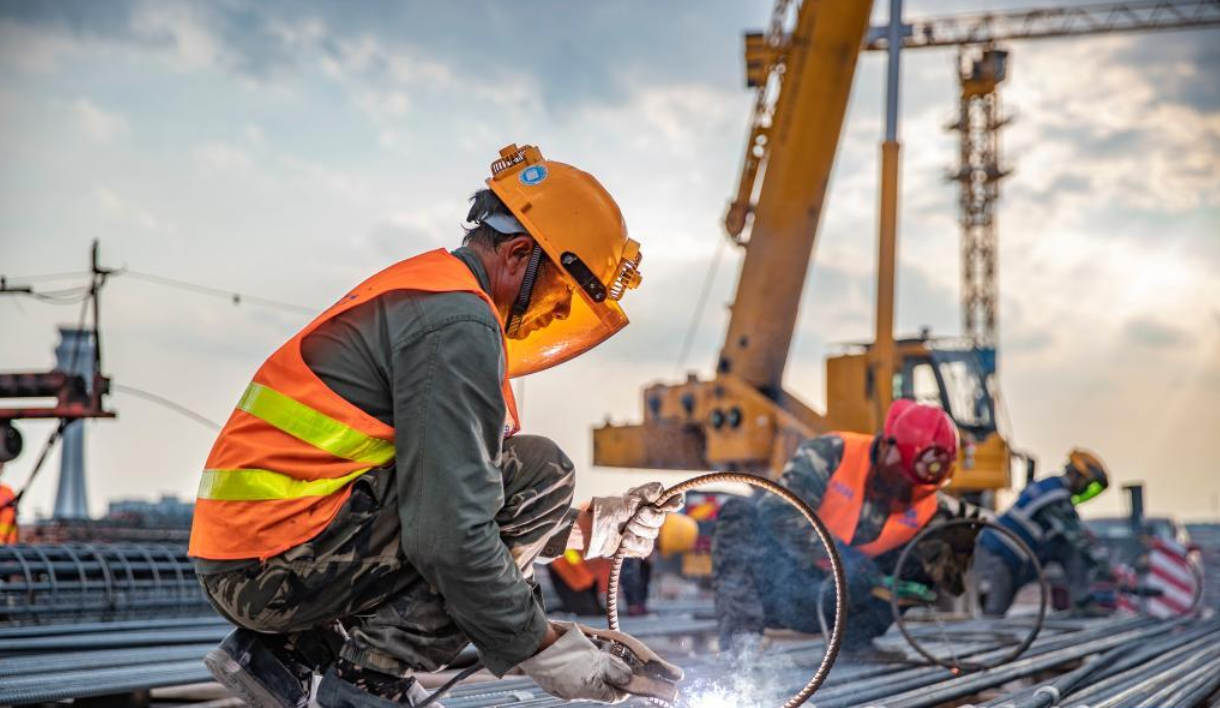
(642,659)
(574,668)
(909,592)
(631,522)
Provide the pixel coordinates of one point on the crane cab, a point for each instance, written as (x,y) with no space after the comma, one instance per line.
(959,378)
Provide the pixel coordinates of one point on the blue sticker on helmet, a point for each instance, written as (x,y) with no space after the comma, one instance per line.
(533,174)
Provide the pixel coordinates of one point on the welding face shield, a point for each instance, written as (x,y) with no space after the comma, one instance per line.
(579,229)
(1091,491)
(1087,476)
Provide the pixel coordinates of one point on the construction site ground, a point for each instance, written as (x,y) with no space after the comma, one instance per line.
(1105,661)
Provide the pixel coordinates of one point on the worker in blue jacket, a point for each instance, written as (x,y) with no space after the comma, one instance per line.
(1045,517)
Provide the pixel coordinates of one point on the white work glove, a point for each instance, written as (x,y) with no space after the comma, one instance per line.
(574,668)
(616,522)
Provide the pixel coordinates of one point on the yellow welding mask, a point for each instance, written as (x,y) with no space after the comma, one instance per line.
(581,231)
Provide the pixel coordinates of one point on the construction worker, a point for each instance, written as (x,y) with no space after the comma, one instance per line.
(1044,516)
(8,512)
(875,493)
(367,511)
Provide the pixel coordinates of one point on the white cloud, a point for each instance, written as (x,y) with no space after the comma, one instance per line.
(98,124)
(194,45)
(223,158)
(116,207)
(384,106)
(30,50)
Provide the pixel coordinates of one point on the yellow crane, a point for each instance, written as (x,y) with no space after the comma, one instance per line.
(802,70)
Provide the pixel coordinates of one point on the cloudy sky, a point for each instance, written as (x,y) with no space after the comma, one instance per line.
(289,149)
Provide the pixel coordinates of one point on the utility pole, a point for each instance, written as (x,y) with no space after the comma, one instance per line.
(887,242)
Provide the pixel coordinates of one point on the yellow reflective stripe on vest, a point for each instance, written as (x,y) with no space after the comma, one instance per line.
(318,429)
(263,485)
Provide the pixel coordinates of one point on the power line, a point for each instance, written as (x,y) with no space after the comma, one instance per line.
(165,402)
(698,314)
(235,297)
(49,276)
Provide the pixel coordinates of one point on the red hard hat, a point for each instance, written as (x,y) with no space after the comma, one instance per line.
(926,438)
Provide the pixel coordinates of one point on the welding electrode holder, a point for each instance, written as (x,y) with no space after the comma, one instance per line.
(827,541)
(954,664)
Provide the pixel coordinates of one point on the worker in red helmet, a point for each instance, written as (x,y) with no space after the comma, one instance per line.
(875,493)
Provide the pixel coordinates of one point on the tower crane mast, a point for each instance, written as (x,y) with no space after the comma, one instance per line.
(983,64)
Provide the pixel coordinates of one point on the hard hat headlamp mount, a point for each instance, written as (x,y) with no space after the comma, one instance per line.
(584,277)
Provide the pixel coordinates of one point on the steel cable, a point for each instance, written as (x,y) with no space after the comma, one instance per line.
(836,567)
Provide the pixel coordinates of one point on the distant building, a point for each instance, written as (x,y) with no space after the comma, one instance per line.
(169,511)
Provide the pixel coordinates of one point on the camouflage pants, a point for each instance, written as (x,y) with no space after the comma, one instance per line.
(758,584)
(354,572)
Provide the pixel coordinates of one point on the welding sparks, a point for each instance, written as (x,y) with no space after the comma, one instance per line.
(756,680)
(715,697)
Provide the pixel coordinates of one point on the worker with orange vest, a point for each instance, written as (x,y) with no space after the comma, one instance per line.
(875,493)
(8,512)
(368,510)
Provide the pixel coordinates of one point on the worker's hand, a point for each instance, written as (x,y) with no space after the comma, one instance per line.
(631,522)
(642,655)
(574,668)
(945,567)
(961,536)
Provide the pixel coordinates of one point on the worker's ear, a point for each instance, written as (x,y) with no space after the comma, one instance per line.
(516,253)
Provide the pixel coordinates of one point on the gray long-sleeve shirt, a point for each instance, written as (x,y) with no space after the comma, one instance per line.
(430,365)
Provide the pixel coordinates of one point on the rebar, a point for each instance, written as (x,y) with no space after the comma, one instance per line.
(836,567)
(958,665)
(88,582)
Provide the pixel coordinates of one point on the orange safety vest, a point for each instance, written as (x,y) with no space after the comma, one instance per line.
(8,516)
(283,464)
(844,498)
(572,570)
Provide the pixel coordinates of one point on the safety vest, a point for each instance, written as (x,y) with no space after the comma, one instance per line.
(8,516)
(844,499)
(284,462)
(1020,520)
(572,570)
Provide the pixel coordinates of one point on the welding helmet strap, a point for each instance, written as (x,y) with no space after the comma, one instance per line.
(517,313)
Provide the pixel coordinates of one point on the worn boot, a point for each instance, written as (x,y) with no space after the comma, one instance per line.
(346,685)
(246,664)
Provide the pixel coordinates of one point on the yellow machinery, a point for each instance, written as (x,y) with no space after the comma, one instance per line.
(743,419)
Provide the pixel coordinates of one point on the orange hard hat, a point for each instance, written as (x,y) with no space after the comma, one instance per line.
(581,231)
(678,534)
(1090,471)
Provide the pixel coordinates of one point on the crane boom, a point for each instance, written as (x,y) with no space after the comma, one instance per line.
(804,134)
(1099,18)
(743,419)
